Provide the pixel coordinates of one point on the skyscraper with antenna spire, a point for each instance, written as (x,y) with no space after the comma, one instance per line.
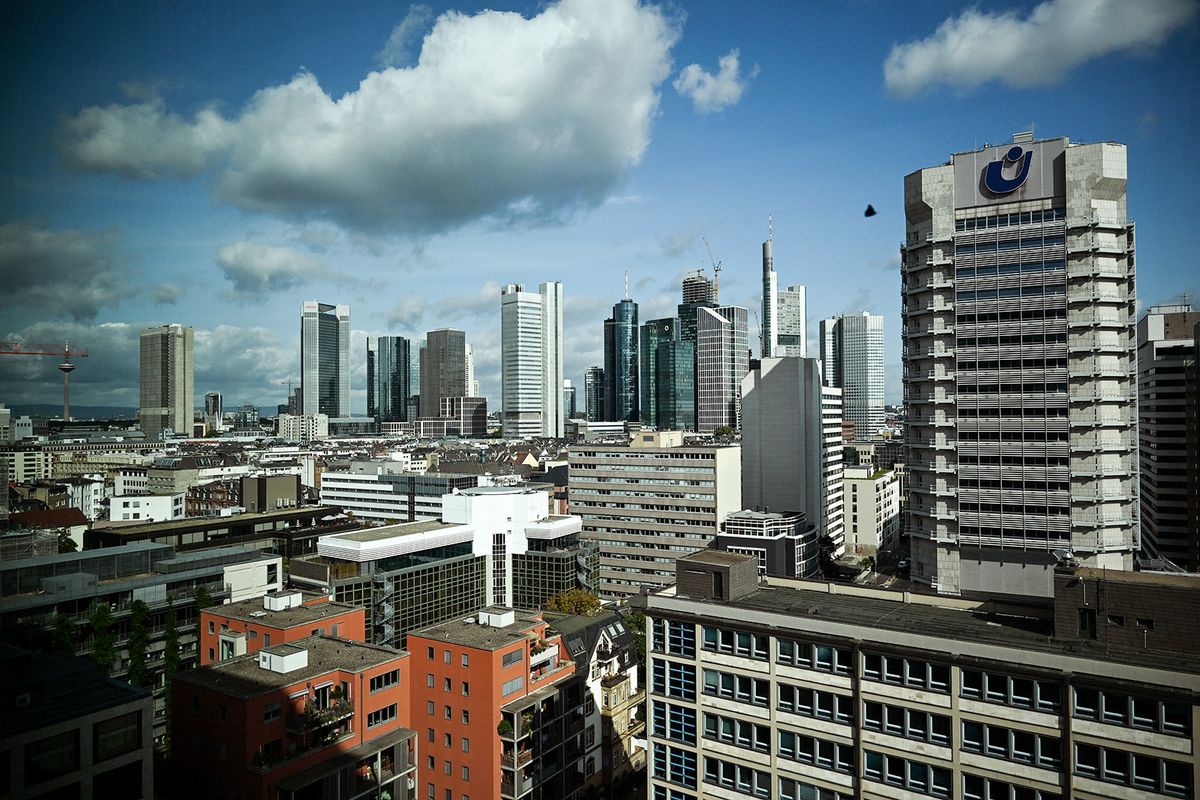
(784,322)
(621,401)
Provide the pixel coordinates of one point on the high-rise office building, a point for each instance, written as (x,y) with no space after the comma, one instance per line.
(769,327)
(621,363)
(593,394)
(472,388)
(668,378)
(722,360)
(792,444)
(167,391)
(784,313)
(568,399)
(443,368)
(387,379)
(531,363)
(214,411)
(1165,350)
(1018,297)
(852,360)
(415,349)
(325,359)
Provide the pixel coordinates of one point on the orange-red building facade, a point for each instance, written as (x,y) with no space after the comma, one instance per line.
(279,618)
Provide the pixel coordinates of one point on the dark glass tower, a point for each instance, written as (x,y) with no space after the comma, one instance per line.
(621,363)
(388,379)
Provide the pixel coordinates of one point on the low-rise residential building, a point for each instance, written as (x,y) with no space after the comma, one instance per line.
(281,617)
(872,504)
(650,502)
(614,755)
(317,718)
(148,507)
(303,428)
(802,689)
(502,708)
(494,546)
(69,731)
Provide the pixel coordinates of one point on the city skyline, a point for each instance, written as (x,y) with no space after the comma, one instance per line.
(100,242)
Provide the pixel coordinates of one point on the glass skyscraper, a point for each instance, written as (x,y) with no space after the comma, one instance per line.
(325,359)
(621,363)
(852,360)
(388,388)
(668,377)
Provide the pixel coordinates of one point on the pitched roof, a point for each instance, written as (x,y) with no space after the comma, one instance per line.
(54,518)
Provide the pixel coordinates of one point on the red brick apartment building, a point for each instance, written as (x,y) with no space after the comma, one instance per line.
(282,617)
(313,719)
(498,709)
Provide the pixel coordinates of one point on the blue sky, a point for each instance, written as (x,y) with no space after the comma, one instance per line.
(217,166)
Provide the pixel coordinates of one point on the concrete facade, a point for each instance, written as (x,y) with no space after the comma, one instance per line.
(167,395)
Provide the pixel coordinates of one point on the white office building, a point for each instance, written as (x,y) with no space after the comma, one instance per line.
(852,360)
(1019,369)
(722,359)
(303,428)
(792,444)
(531,368)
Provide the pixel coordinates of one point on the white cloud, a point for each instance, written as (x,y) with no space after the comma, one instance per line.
(709,92)
(254,268)
(407,313)
(60,273)
(503,118)
(1039,50)
(396,52)
(167,294)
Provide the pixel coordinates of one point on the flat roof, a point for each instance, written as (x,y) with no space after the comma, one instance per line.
(220,522)
(243,677)
(467,632)
(944,623)
(721,557)
(392,531)
(253,611)
(1174,579)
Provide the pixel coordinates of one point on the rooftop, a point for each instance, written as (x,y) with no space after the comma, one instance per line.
(243,677)
(392,531)
(192,523)
(719,557)
(926,618)
(765,515)
(467,632)
(1175,579)
(253,611)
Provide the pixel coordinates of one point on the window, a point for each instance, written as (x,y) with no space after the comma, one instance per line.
(266,640)
(1145,713)
(381,715)
(514,685)
(380,682)
(117,736)
(1001,689)
(1011,745)
(978,787)
(512,658)
(910,672)
(906,722)
(743,688)
(815,703)
(466,745)
(466,689)
(446,659)
(272,711)
(741,643)
(447,712)
(466,717)
(429,654)
(447,685)
(211,627)
(824,658)
(817,752)
(914,776)
(50,757)
(466,662)
(429,680)
(466,773)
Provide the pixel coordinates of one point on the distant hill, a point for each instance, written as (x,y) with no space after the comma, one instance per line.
(77,412)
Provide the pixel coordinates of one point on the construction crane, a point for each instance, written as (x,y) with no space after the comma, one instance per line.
(66,353)
(716,265)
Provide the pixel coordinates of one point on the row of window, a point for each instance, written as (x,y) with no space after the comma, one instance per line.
(739,643)
(1026,411)
(799,790)
(1016,363)
(820,657)
(1013,388)
(743,688)
(743,779)
(674,765)
(1012,436)
(1012,340)
(1006,220)
(913,776)
(1030,241)
(737,732)
(382,715)
(911,672)
(1006,690)
(1011,291)
(817,752)
(1017,486)
(815,703)
(673,680)
(977,787)
(380,682)
(1133,712)
(1016,460)
(447,684)
(971,318)
(674,722)
(1011,745)
(1009,268)
(1159,775)
(907,723)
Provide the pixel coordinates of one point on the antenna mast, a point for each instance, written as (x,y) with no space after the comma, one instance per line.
(626,284)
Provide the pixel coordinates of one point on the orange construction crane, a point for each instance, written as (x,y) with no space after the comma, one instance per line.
(65,352)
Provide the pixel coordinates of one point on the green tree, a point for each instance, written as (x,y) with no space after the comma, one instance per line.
(104,650)
(826,558)
(723,430)
(65,543)
(138,640)
(65,633)
(636,620)
(574,601)
(171,658)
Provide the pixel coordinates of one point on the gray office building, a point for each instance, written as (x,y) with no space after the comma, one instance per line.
(443,368)
(593,394)
(852,360)
(167,386)
(325,359)
(1019,366)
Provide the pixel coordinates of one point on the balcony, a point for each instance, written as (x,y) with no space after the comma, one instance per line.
(316,719)
(518,757)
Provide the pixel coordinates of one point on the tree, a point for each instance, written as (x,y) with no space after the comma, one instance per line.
(825,556)
(575,601)
(636,621)
(65,633)
(104,651)
(723,430)
(203,601)
(170,661)
(138,639)
(65,543)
